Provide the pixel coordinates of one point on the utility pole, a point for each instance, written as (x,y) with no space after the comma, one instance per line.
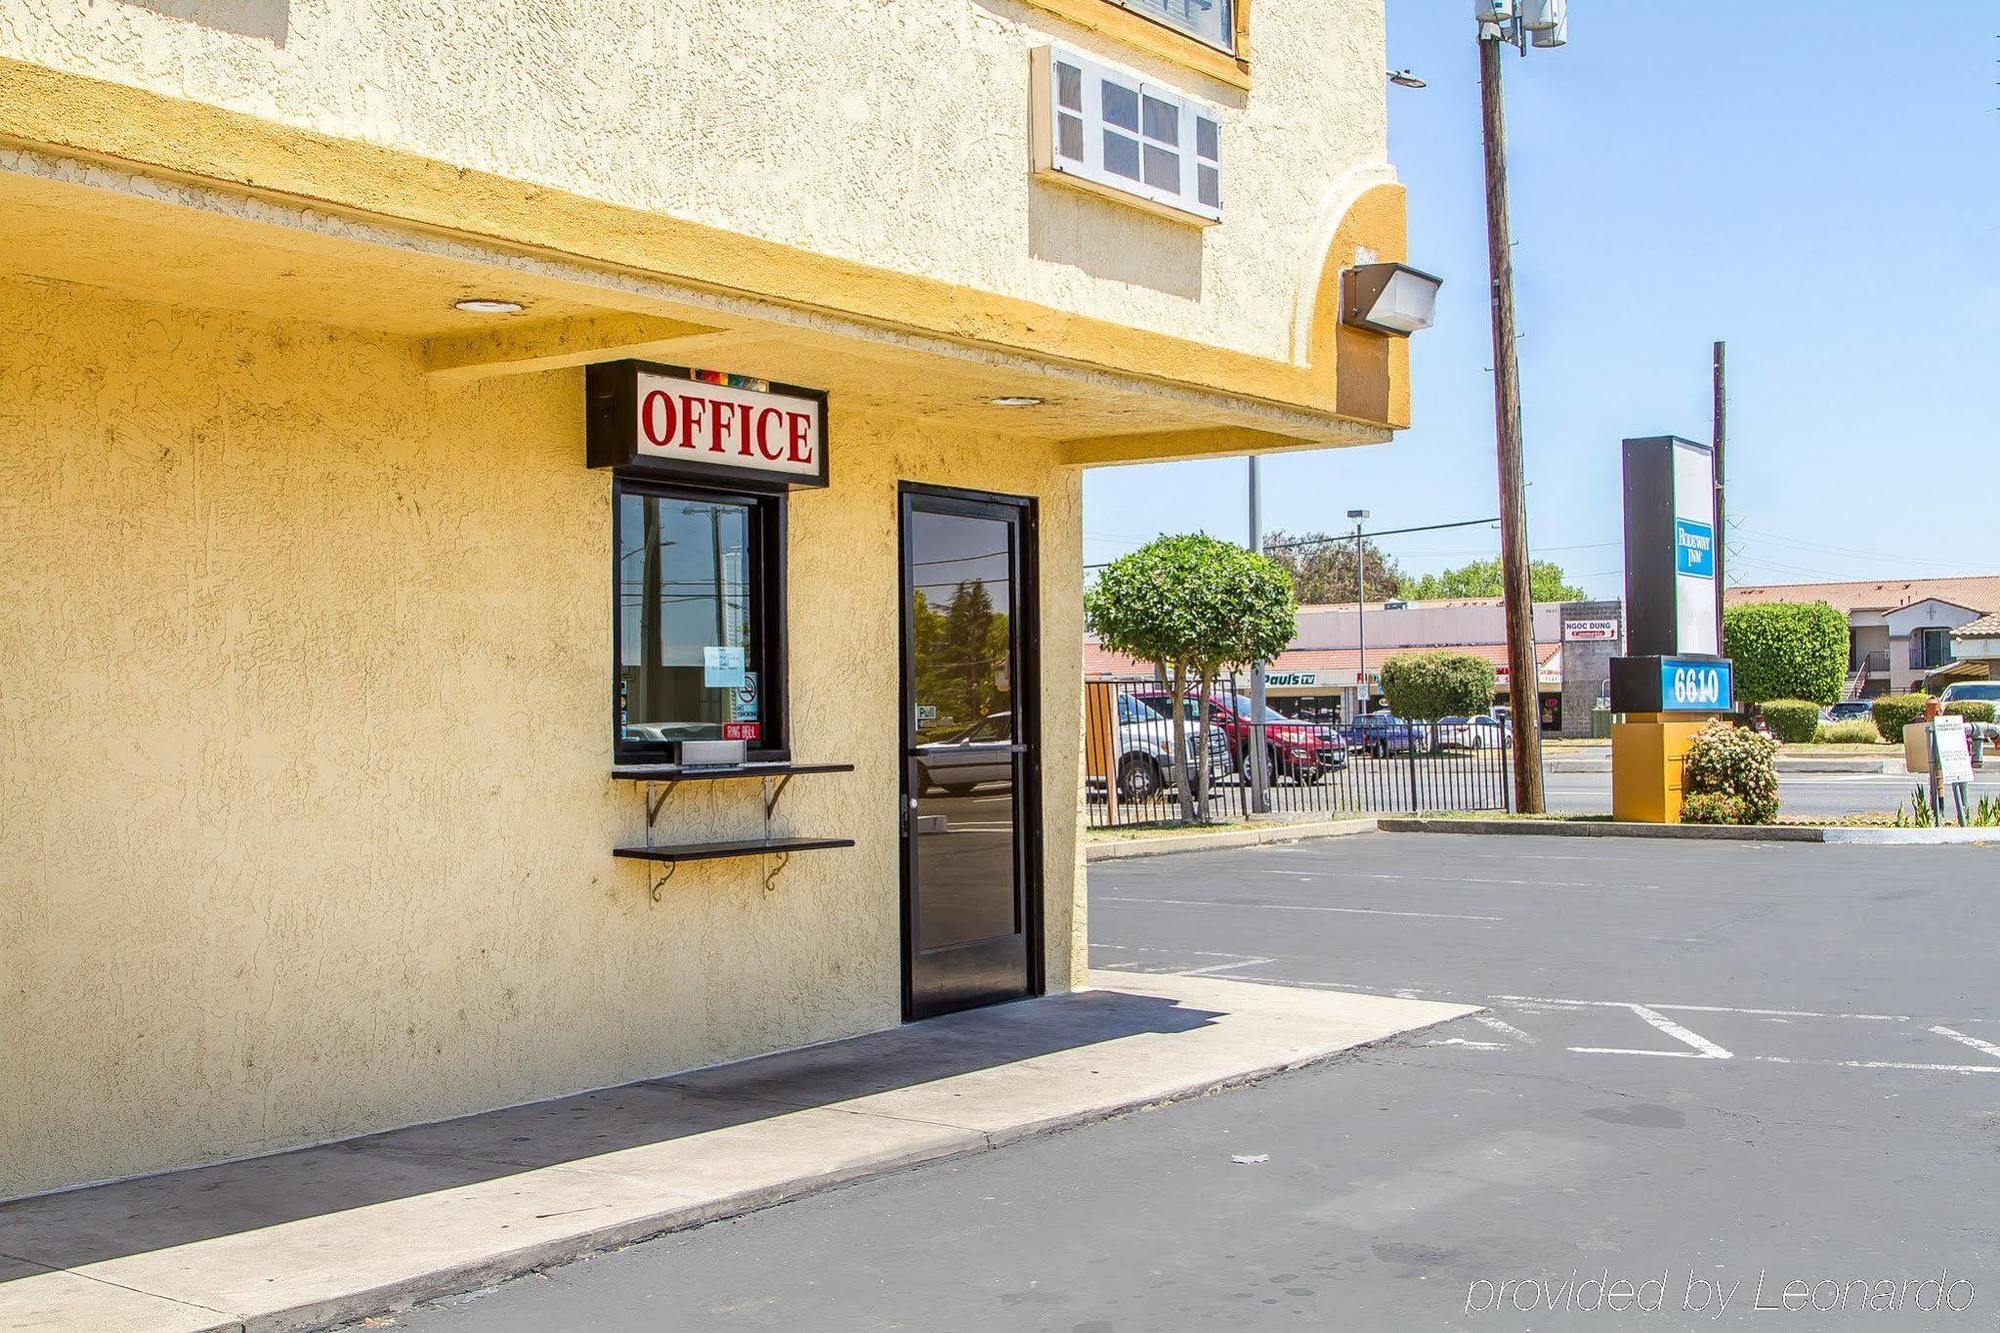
(1255,765)
(1721,530)
(1516,583)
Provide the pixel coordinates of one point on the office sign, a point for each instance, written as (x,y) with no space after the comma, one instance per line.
(704,425)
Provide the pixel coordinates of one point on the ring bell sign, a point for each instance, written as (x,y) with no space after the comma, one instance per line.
(1673,599)
(703,425)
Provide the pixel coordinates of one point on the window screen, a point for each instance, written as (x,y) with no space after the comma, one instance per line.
(1112,130)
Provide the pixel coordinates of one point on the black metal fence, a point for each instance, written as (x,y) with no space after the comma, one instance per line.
(1375,764)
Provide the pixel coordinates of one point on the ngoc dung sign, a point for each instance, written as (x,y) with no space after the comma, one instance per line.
(705,425)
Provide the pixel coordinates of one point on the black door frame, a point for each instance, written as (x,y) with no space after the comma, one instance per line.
(1026,674)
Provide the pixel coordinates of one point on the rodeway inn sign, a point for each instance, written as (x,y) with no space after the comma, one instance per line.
(705,425)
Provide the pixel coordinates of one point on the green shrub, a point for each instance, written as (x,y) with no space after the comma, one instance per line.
(1893,712)
(1735,762)
(1794,721)
(1854,731)
(1711,807)
(1786,650)
(1433,685)
(1972,710)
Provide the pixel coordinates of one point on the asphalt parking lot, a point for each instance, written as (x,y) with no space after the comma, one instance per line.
(1707,1071)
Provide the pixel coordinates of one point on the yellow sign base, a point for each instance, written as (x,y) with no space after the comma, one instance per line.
(1648,756)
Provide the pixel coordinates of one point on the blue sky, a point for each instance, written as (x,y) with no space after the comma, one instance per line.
(1815,185)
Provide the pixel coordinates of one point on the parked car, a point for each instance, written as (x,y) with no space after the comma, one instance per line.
(1146,748)
(1302,751)
(968,758)
(1847,710)
(1470,733)
(1383,734)
(1972,691)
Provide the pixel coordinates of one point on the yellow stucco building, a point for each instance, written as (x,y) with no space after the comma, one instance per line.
(374,563)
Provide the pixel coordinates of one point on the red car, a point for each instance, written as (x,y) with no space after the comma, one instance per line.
(1302,751)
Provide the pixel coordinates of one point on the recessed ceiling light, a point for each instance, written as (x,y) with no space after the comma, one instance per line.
(485,305)
(1015,400)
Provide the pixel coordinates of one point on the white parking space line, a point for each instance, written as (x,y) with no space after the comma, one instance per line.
(1781,1013)
(1516,1037)
(1503,1026)
(1983,1047)
(1704,1049)
(1515,883)
(1879,1064)
(1298,907)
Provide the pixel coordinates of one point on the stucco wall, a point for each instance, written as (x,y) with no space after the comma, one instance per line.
(892,132)
(303,740)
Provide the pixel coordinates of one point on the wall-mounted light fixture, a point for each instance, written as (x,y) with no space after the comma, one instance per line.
(1388,298)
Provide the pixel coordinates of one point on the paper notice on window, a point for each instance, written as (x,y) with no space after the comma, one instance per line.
(721,667)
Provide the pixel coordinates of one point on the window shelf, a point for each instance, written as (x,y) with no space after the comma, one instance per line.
(680,773)
(661,779)
(716,851)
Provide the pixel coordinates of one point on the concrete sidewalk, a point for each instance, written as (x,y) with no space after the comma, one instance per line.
(357,1228)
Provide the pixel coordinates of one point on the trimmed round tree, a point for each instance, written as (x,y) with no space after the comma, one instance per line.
(1786,650)
(1195,607)
(1428,686)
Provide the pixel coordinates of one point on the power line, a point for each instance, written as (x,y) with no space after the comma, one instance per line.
(1385,532)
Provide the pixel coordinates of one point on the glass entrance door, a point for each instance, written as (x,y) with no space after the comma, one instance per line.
(970,756)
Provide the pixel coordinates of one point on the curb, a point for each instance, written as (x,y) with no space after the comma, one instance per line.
(1124,849)
(394,1298)
(1860,837)
(1786,764)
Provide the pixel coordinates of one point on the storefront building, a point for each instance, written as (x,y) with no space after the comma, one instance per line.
(1333,668)
(544,552)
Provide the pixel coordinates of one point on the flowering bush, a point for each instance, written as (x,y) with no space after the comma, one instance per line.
(1734,762)
(1711,807)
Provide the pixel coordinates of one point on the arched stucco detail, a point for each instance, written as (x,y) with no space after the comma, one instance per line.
(1365,220)
(1334,205)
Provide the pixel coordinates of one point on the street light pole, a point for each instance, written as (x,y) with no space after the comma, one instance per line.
(1255,766)
(1363,696)
(1516,583)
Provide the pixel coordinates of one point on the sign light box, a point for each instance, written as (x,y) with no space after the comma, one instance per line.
(1671,596)
(704,425)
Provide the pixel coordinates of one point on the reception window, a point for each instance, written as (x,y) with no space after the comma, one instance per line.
(699,624)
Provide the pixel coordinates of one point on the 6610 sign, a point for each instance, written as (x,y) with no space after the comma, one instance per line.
(1696,686)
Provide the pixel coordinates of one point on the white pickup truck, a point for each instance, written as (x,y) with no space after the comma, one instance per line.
(1146,747)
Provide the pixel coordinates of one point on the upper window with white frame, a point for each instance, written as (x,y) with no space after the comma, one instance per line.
(1211,22)
(1111,132)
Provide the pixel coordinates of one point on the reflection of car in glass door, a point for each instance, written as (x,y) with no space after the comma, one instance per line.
(954,766)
